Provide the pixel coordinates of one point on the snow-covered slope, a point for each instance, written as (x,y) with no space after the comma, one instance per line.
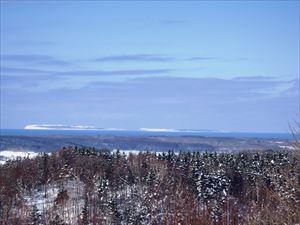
(10,154)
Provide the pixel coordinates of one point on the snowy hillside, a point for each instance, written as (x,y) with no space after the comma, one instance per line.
(11,155)
(80,185)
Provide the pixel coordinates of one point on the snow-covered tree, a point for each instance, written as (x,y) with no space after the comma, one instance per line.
(57,221)
(35,217)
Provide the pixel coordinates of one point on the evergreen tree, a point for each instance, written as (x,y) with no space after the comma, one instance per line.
(35,217)
(57,221)
(85,214)
(62,196)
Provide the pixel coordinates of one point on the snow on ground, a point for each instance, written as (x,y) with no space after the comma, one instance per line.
(44,199)
(11,154)
(38,197)
(136,152)
(287,147)
(14,154)
(128,152)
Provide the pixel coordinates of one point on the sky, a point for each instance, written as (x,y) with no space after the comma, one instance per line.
(213,65)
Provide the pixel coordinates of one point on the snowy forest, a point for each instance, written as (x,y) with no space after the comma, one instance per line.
(81,185)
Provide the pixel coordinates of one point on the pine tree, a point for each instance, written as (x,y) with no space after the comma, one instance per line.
(85,214)
(115,214)
(57,221)
(213,188)
(62,196)
(35,217)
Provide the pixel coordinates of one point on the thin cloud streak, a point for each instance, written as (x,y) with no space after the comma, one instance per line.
(21,74)
(113,73)
(35,59)
(200,58)
(152,58)
(135,57)
(22,71)
(255,78)
(215,58)
(25,71)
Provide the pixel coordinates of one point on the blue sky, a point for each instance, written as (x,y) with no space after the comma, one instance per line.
(230,66)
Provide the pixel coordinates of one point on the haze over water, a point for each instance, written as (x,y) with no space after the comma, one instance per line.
(23,132)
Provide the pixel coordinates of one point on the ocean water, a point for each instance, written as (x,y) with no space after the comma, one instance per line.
(23,132)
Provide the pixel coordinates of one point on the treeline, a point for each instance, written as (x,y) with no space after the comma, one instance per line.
(78,185)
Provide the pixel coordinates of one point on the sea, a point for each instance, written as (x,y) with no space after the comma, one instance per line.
(132,133)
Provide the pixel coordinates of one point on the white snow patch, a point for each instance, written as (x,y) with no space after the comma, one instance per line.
(128,152)
(158,130)
(10,155)
(136,152)
(287,147)
(46,203)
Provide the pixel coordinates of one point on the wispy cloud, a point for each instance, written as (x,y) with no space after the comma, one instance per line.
(164,101)
(22,71)
(152,58)
(254,78)
(58,73)
(217,88)
(41,60)
(113,72)
(215,58)
(161,58)
(24,77)
(135,57)
(201,58)
(35,59)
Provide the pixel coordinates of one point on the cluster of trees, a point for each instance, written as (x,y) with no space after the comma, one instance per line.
(78,185)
